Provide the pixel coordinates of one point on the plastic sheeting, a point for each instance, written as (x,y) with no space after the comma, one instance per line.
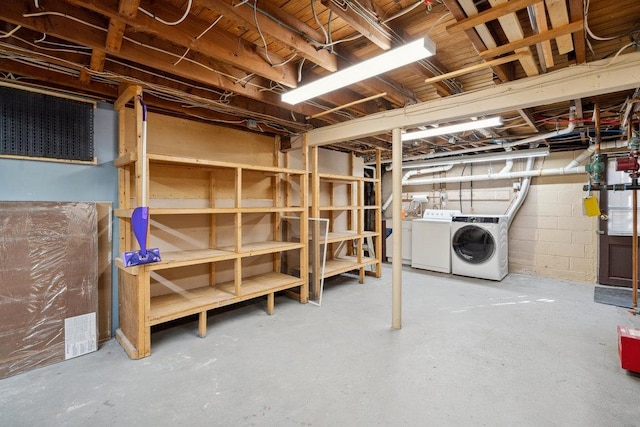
(48,278)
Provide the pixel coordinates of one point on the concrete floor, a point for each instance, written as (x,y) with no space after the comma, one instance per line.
(526,351)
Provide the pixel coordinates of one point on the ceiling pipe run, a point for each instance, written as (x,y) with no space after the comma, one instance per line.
(406,176)
(509,154)
(510,175)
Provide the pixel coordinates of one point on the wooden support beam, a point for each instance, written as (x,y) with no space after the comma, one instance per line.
(559,16)
(127,95)
(492,14)
(527,115)
(503,72)
(513,30)
(98,57)
(58,26)
(381,38)
(322,58)
(576,10)
(115,35)
(476,67)
(541,23)
(216,43)
(531,40)
(370,98)
(597,78)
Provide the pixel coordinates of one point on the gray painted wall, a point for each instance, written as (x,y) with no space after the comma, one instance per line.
(27,180)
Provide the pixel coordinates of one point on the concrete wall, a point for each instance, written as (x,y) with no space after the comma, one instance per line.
(550,236)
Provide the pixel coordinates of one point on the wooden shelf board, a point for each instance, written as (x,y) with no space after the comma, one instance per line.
(341,265)
(339,178)
(126,213)
(190,161)
(340,208)
(336,266)
(173,306)
(175,259)
(369,234)
(268,247)
(189,211)
(335,237)
(125,159)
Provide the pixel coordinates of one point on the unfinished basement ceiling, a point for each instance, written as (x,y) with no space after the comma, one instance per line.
(228,61)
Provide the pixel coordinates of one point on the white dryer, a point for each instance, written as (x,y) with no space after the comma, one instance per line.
(480,246)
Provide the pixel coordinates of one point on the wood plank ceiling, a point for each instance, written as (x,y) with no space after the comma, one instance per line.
(228,61)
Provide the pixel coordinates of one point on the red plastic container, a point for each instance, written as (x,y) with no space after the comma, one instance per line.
(629,348)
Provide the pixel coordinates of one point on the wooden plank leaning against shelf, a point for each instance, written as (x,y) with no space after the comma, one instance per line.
(351,244)
(216,223)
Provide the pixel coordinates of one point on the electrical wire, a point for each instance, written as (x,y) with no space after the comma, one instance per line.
(315,17)
(586,4)
(153,15)
(10,33)
(198,38)
(114,79)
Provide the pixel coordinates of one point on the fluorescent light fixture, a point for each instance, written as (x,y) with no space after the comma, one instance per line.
(457,128)
(390,60)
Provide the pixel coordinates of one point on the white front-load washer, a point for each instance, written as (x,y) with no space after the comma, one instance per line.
(480,246)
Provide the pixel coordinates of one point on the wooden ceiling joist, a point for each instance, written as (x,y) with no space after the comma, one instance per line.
(512,29)
(297,43)
(559,16)
(127,8)
(541,24)
(491,14)
(532,40)
(217,43)
(504,72)
(375,34)
(579,43)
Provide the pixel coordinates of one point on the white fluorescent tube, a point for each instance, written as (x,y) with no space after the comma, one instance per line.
(390,60)
(457,128)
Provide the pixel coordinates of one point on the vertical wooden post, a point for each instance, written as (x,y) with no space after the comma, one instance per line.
(213,243)
(360,226)
(396,282)
(315,213)
(238,232)
(377,188)
(304,222)
(202,324)
(276,195)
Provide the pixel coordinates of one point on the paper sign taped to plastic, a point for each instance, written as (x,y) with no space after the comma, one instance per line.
(80,336)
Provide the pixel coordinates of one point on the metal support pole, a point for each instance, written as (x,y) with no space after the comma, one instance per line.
(396,281)
(634,249)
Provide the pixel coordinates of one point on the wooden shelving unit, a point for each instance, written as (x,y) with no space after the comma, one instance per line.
(240,258)
(351,247)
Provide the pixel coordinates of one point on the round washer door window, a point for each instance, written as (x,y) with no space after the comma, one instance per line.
(473,244)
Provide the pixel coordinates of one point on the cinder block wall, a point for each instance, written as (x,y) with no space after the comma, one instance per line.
(550,236)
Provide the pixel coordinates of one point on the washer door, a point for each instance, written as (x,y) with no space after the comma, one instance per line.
(473,244)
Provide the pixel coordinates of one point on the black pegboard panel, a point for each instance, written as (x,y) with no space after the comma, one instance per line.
(38,125)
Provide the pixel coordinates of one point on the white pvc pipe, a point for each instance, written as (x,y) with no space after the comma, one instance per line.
(497,176)
(396,281)
(409,174)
